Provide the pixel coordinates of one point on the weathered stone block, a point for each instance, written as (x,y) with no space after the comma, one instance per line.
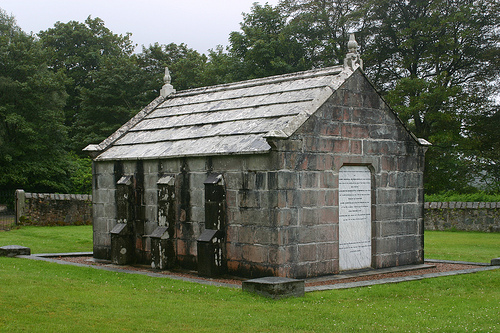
(105,181)
(272,180)
(249,199)
(308,216)
(150,181)
(255,217)
(14,250)
(408,243)
(171,166)
(255,253)
(287,217)
(129,167)
(386,195)
(328,215)
(328,252)
(197,164)
(386,245)
(386,260)
(104,167)
(412,211)
(196,180)
(328,179)
(275,287)
(324,162)
(229,163)
(259,162)
(389,212)
(287,180)
(307,252)
(308,198)
(309,179)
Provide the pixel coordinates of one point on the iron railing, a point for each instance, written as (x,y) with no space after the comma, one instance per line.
(7,209)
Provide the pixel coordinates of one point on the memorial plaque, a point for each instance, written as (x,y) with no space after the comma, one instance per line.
(354,217)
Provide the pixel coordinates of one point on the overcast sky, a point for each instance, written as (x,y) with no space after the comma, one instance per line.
(201,24)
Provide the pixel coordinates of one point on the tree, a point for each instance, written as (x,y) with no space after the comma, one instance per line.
(485,145)
(122,85)
(120,88)
(185,64)
(79,49)
(322,27)
(435,59)
(32,98)
(220,68)
(265,47)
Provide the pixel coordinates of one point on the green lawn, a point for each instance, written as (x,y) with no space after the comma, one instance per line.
(462,245)
(41,296)
(50,239)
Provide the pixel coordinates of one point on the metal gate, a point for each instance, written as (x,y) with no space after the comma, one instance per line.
(7,210)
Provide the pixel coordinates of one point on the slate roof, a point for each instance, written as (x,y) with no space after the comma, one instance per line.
(233,118)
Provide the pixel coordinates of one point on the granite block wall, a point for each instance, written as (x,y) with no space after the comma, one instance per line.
(354,127)
(463,216)
(282,207)
(44,209)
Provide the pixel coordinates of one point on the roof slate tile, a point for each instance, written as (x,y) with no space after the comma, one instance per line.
(227,119)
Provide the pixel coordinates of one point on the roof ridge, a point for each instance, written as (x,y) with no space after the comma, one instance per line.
(261,81)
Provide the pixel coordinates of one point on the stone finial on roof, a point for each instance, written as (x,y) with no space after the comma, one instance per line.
(167,88)
(353,59)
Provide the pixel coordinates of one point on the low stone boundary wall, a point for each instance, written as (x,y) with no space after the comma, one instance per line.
(466,216)
(44,209)
(76,209)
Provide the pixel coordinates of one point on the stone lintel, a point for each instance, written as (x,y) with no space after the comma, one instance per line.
(275,287)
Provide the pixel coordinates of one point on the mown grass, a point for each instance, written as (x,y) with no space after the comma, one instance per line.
(461,245)
(50,239)
(41,296)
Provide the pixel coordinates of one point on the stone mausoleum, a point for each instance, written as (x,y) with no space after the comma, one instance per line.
(296,175)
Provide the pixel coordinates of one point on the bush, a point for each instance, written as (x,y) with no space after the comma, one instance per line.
(469,197)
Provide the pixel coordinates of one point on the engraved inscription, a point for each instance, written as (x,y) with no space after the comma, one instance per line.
(354,217)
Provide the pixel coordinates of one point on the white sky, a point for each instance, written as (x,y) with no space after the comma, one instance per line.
(200,24)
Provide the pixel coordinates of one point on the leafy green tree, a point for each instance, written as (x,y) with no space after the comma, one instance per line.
(264,46)
(80,174)
(32,99)
(435,59)
(185,64)
(123,85)
(119,90)
(220,68)
(80,49)
(322,27)
(485,145)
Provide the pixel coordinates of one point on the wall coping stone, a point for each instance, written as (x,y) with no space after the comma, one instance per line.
(59,196)
(461,205)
